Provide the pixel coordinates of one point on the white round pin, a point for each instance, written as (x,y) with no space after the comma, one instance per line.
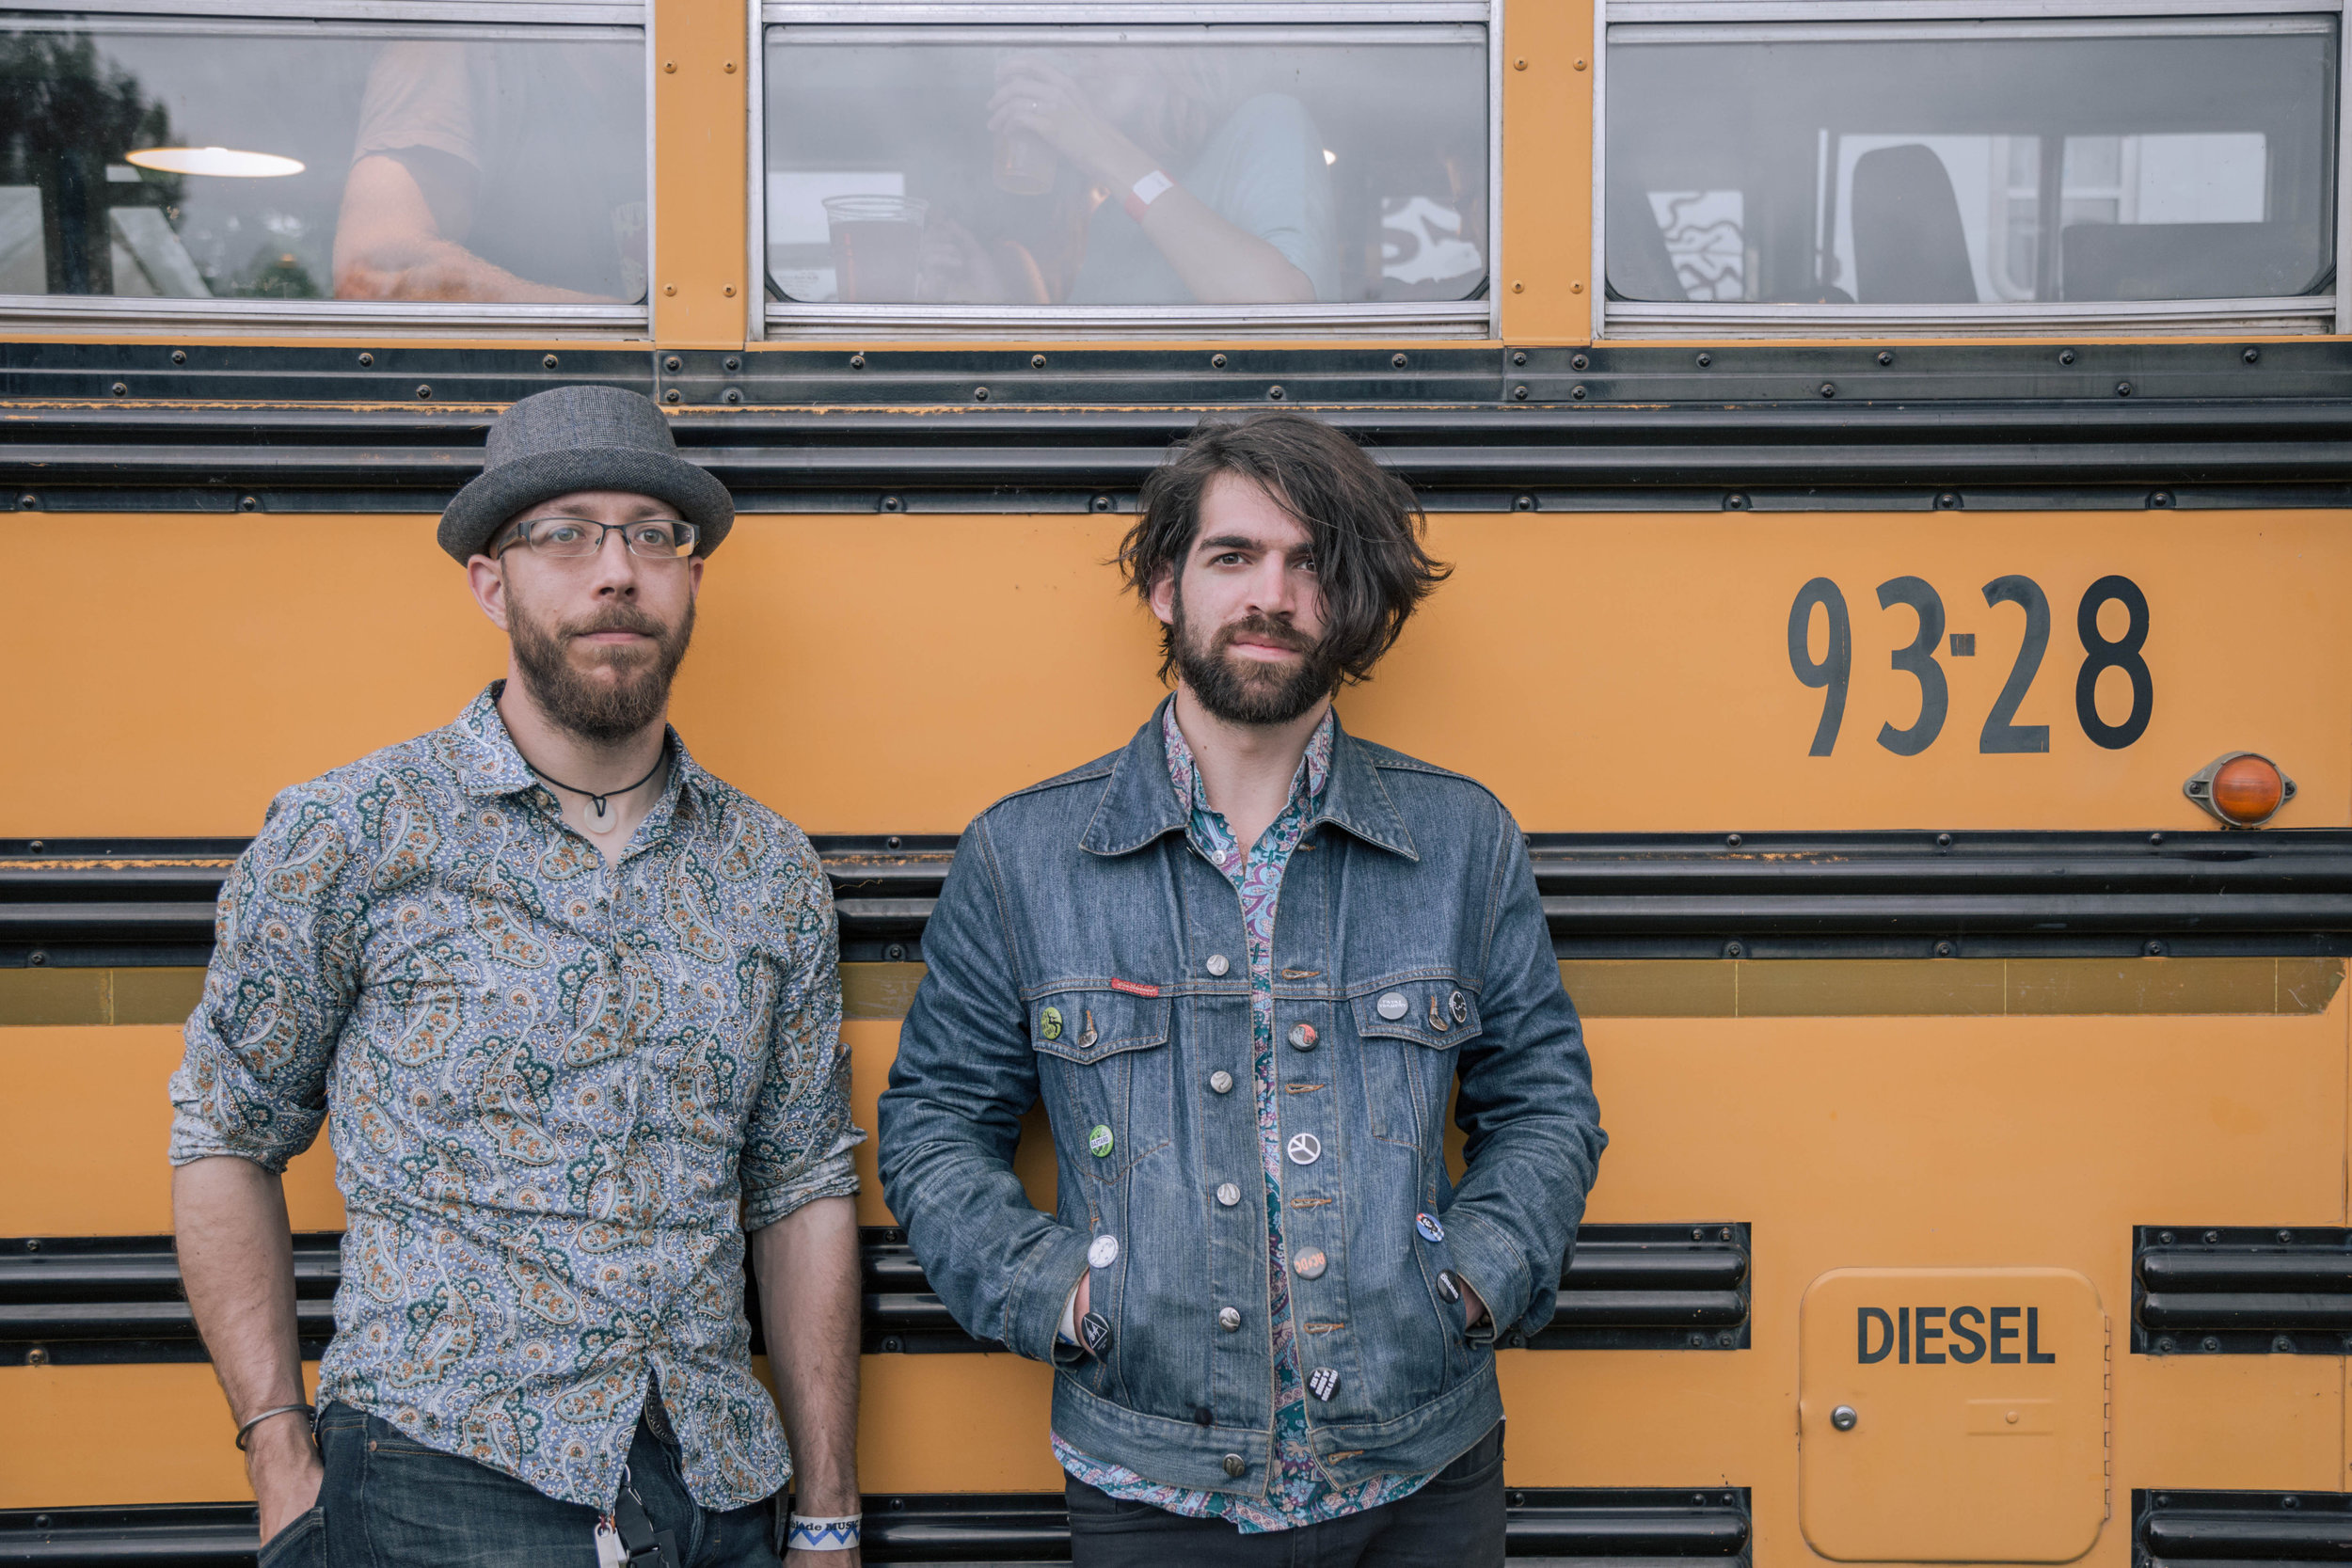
(1392,1005)
(1305,1149)
(1103,1252)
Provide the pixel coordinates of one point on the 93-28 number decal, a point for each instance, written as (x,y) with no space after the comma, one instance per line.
(1917,659)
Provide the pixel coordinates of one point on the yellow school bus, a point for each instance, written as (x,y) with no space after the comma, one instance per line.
(1894,456)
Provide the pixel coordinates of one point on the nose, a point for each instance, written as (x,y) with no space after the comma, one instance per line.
(615,568)
(1271,590)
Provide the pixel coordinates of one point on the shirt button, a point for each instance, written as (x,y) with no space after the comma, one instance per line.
(1221,1081)
(1218,964)
(1228,1194)
(1235,1465)
(1229,1318)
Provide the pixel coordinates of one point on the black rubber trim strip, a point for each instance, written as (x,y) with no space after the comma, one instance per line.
(2279,893)
(1569,1525)
(117,1299)
(1942,426)
(2201,1289)
(2223,1529)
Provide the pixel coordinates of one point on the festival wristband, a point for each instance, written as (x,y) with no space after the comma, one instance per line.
(1147,190)
(836,1534)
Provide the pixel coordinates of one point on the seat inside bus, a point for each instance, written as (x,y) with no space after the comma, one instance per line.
(1909,245)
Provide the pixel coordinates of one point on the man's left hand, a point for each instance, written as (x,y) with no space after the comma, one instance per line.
(847,1557)
(1473,1309)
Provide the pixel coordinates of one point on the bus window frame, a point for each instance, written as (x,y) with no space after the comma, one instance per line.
(1632,320)
(787,321)
(431,319)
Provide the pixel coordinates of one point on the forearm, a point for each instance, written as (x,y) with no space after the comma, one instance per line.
(236,1259)
(1219,262)
(808,1264)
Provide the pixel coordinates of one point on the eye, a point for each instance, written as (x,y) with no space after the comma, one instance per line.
(560,534)
(1230,558)
(1308,563)
(653,533)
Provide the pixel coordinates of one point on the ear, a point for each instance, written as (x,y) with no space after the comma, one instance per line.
(487,579)
(1163,595)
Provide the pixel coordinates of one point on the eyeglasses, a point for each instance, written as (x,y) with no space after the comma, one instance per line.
(576,538)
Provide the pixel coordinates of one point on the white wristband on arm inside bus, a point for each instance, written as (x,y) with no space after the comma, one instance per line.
(1147,190)
(836,1534)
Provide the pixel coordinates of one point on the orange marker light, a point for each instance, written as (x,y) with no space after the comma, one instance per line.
(2244,790)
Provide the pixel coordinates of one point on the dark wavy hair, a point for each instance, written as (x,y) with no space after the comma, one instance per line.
(1364,521)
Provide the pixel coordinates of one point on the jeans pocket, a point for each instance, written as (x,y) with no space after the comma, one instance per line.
(301,1544)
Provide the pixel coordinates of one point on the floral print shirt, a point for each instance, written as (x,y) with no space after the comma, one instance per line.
(1298,1493)
(559,1093)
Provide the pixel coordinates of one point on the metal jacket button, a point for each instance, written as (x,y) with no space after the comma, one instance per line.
(1218,964)
(1235,1465)
(1228,1194)
(1229,1318)
(1392,1005)
(1221,1081)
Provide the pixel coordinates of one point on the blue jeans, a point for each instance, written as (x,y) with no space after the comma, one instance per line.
(391,1502)
(1456,1521)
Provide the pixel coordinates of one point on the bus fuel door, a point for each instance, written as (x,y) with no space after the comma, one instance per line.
(1952,1415)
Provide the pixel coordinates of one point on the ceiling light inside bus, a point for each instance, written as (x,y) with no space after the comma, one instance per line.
(214,160)
(2244,790)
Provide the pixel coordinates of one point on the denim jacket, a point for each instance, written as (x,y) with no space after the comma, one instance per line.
(1084,954)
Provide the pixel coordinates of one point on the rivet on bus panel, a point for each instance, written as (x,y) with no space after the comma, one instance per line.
(1580,65)
(2242,789)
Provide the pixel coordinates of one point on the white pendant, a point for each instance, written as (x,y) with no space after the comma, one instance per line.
(601,823)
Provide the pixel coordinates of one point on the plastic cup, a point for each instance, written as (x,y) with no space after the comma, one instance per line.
(1025,164)
(877,246)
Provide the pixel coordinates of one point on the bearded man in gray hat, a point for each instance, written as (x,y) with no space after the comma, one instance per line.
(570,1007)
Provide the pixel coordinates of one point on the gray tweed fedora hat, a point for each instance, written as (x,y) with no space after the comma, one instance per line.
(572,438)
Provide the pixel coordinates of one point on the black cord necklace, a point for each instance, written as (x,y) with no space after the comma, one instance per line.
(605,820)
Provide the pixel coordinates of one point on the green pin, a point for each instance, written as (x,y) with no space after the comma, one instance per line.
(1049,1023)
(1098,1141)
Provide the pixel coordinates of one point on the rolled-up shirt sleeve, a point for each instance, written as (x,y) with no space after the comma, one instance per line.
(796,1147)
(284,971)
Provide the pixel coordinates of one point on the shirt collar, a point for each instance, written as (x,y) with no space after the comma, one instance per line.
(490,763)
(1314,767)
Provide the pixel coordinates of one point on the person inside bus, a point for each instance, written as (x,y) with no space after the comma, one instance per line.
(494,172)
(571,1006)
(1173,181)
(1273,1317)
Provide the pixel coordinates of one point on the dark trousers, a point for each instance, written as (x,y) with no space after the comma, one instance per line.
(391,1502)
(1454,1522)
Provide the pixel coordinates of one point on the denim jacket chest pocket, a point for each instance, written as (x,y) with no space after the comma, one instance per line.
(1410,1026)
(1104,1062)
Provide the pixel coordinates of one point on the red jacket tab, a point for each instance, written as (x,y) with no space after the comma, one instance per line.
(1134,988)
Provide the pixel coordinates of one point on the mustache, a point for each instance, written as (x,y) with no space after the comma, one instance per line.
(616,618)
(1264,628)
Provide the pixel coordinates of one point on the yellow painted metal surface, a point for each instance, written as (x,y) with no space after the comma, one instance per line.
(1658,693)
(1994,1381)
(1544,275)
(701,182)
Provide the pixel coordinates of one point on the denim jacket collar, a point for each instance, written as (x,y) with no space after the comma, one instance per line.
(1139,807)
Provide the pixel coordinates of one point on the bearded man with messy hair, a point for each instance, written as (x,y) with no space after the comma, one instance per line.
(1271,1313)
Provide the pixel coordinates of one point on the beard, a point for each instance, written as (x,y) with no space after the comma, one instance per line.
(1249,691)
(598,710)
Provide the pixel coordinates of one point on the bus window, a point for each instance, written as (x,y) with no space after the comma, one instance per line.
(1076,169)
(2007,164)
(219,160)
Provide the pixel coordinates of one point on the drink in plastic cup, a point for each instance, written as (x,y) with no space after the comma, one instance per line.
(1025,164)
(877,246)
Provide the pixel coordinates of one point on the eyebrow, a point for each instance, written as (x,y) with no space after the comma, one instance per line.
(1242,542)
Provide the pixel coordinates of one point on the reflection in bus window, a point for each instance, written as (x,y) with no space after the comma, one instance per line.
(1150,167)
(235,161)
(1927,163)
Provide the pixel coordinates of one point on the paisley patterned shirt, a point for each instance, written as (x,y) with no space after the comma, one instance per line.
(1298,1493)
(559,1093)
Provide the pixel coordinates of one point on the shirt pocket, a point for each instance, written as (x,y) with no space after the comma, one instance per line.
(1108,1053)
(1407,1058)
